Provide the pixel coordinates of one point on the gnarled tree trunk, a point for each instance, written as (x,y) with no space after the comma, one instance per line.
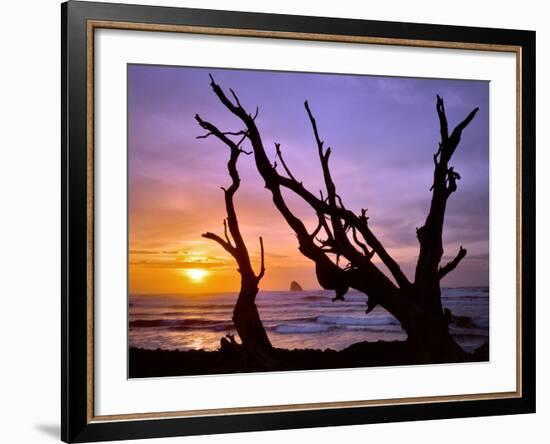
(255,342)
(248,324)
(417,305)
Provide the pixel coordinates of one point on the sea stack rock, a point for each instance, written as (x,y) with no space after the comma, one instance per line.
(295,286)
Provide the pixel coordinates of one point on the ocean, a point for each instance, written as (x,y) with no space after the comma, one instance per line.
(307,319)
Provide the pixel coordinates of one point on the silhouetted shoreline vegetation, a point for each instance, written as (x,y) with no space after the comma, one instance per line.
(145,363)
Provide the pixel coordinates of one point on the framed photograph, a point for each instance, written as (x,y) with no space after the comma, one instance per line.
(276,221)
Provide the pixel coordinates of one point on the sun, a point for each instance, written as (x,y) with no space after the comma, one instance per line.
(196,274)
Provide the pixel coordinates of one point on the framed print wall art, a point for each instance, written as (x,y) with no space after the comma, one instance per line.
(279,221)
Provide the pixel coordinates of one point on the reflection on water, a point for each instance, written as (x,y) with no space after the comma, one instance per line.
(307,319)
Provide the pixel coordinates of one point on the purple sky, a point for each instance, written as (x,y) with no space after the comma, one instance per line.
(383,132)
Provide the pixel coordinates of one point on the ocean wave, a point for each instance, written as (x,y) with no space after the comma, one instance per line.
(339,305)
(177,323)
(472,292)
(375,328)
(354,320)
(355,297)
(197,305)
(296,319)
(218,327)
(301,328)
(315,298)
(306,319)
(480,322)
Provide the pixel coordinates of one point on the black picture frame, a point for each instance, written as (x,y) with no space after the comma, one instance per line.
(76,423)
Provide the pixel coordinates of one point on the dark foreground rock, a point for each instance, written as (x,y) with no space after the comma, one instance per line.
(153,363)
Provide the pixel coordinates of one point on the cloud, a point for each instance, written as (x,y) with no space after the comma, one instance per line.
(153,252)
(180,264)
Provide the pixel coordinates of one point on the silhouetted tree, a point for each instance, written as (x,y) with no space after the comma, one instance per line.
(341,233)
(255,342)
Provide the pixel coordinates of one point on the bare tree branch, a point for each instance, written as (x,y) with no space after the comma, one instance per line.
(339,214)
(225,232)
(239,250)
(365,249)
(320,225)
(246,318)
(417,306)
(226,245)
(450,266)
(280,156)
(262,263)
(329,275)
(443,126)
(444,184)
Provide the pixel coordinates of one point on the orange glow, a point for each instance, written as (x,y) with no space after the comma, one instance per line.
(185,271)
(196,274)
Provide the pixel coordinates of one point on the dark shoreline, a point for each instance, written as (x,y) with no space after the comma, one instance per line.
(143,363)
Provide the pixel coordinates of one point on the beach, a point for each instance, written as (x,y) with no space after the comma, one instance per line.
(306,320)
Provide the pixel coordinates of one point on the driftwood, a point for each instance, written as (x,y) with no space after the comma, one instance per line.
(255,342)
(344,234)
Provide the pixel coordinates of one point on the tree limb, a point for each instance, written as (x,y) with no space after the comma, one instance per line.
(225,232)
(444,184)
(227,246)
(450,266)
(262,263)
(365,249)
(338,214)
(280,156)
(239,251)
(329,275)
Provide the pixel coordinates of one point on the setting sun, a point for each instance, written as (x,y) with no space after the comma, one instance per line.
(196,274)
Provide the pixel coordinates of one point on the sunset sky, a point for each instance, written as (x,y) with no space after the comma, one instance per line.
(383,132)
